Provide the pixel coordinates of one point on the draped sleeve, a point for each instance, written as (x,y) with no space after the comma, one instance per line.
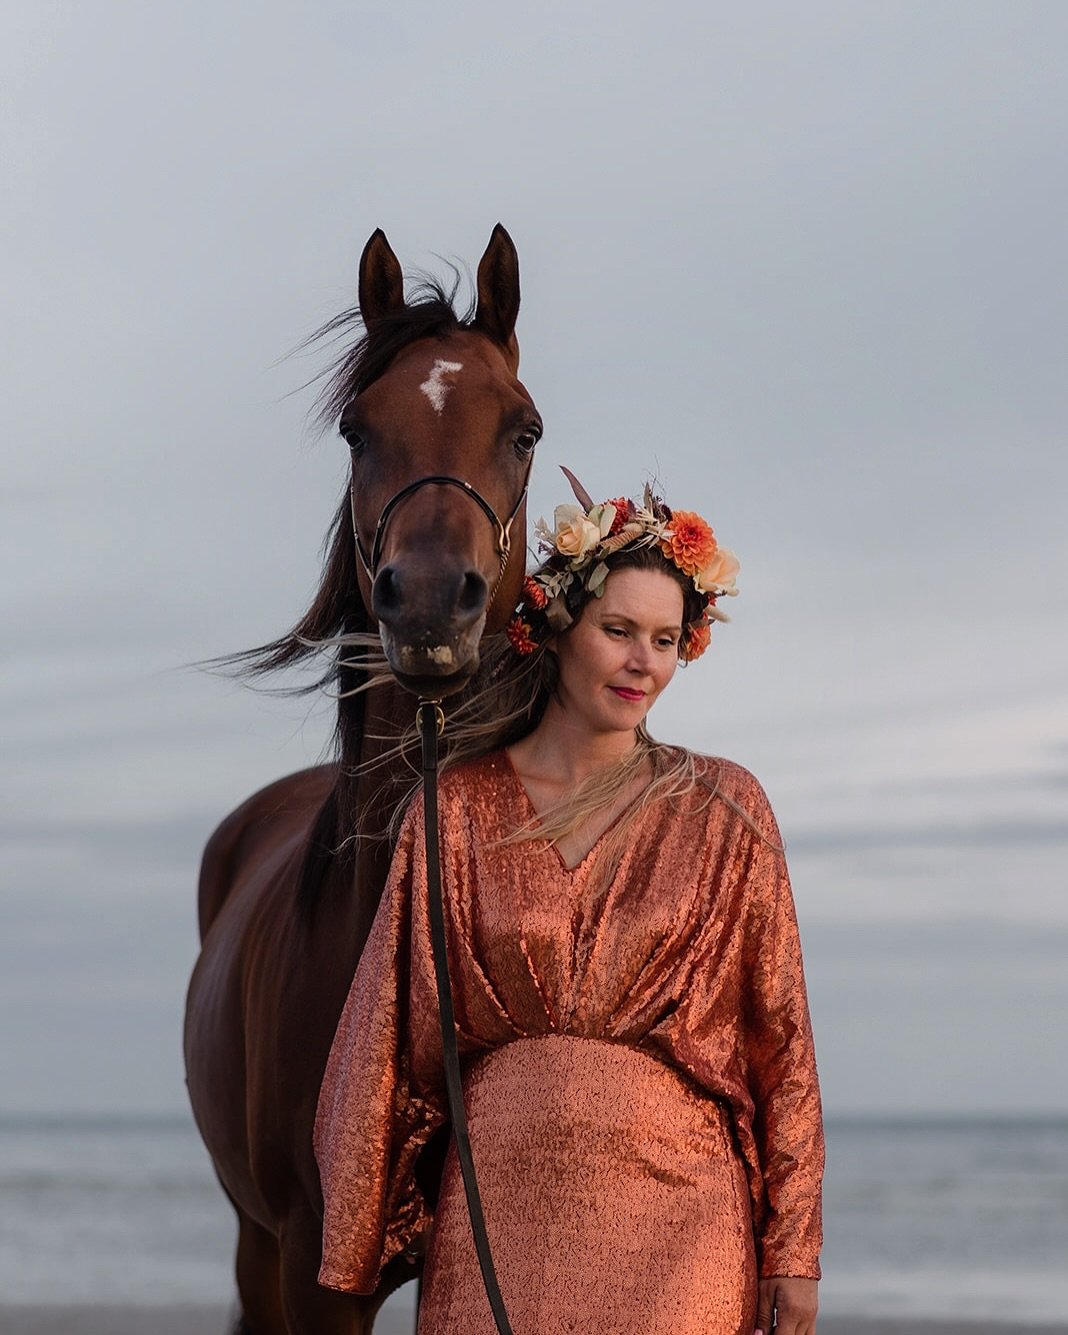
(691,954)
(742,1030)
(379,1103)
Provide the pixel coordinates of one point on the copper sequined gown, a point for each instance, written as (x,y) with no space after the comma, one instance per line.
(638,1072)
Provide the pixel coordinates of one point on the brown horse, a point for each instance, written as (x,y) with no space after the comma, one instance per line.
(442,435)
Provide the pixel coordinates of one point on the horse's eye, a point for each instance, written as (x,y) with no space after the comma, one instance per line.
(527,439)
(352,438)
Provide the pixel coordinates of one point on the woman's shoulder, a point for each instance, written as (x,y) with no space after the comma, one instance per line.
(737,786)
(459,788)
(728,775)
(480,775)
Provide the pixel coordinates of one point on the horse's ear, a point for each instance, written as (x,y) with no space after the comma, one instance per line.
(381,279)
(498,292)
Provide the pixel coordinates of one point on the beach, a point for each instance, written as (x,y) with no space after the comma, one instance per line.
(213,1321)
(118,1227)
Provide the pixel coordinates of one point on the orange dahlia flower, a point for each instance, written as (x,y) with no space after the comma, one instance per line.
(518,632)
(695,642)
(690,542)
(534,594)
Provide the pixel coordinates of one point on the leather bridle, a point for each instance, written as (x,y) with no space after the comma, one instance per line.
(503,528)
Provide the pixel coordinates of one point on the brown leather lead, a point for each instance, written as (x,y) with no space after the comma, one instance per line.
(431,722)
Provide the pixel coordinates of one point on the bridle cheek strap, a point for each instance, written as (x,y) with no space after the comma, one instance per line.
(503,529)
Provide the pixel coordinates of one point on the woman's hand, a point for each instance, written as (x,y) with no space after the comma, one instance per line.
(791,1301)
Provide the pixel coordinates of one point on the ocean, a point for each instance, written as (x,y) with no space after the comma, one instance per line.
(924,1218)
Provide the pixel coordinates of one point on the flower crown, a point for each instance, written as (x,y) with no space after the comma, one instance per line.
(585,534)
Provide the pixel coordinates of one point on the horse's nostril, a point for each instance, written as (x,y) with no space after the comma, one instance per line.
(440,602)
(386,593)
(473,592)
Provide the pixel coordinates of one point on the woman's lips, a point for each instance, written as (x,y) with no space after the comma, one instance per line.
(627,693)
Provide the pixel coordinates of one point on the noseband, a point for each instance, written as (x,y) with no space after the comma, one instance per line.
(504,540)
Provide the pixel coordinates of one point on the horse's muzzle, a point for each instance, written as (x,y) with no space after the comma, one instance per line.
(432,671)
(430,622)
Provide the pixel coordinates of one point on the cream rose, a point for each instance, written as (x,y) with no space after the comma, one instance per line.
(576,533)
(718,575)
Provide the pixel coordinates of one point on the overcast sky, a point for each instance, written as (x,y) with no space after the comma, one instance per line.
(804,262)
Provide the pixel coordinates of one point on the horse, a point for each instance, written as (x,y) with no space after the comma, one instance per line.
(441,435)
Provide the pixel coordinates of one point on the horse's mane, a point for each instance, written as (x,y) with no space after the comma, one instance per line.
(337,609)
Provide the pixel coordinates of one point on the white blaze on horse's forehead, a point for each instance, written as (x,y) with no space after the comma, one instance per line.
(434,387)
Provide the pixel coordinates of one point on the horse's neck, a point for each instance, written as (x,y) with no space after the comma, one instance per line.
(385,777)
(372,783)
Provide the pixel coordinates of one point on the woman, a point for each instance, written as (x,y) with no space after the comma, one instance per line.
(638,1067)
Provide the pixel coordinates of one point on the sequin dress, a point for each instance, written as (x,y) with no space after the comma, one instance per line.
(638,1071)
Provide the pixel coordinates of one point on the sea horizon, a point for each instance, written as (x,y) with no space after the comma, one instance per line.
(930,1215)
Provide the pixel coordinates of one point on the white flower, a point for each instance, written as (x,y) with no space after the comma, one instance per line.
(652,525)
(604,516)
(718,575)
(575,531)
(544,532)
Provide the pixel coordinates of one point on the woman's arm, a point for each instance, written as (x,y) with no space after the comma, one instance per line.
(371,1124)
(781,1066)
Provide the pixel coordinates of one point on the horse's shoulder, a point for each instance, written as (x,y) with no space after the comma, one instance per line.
(306,789)
(281,808)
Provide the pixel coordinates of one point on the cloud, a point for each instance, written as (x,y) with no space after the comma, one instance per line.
(831,316)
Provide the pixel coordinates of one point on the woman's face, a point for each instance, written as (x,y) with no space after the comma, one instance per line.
(621,652)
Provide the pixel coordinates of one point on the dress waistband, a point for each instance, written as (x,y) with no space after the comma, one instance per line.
(562,1085)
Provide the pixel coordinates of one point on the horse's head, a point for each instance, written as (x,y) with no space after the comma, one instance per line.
(442,435)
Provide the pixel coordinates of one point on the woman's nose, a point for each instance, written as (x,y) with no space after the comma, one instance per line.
(641,656)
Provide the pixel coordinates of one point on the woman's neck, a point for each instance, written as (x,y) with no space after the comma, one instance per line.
(563,752)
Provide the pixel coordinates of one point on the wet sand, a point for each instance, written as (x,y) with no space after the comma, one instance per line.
(213,1321)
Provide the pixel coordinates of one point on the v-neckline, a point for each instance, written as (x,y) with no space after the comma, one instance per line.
(571,870)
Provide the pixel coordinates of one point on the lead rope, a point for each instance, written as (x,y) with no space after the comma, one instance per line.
(431,724)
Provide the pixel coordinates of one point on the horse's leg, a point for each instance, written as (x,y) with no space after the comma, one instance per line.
(258,1271)
(309,1308)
